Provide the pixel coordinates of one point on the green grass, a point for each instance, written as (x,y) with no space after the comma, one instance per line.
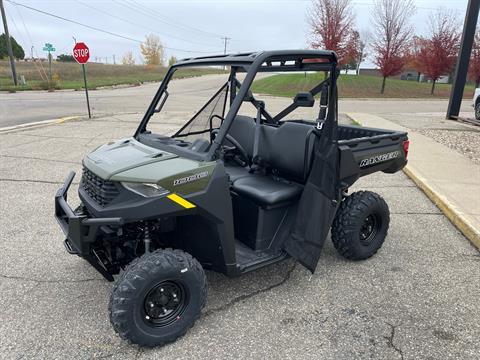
(69,75)
(351,86)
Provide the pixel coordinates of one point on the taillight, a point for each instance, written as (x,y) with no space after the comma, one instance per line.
(406,144)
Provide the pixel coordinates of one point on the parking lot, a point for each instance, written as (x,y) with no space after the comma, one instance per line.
(417,298)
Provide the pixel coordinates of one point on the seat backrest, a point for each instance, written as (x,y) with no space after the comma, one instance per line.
(286,148)
(243,130)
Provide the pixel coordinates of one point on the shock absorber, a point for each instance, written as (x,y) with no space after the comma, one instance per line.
(146,237)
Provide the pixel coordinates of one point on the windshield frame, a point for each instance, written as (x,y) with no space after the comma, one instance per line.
(251,64)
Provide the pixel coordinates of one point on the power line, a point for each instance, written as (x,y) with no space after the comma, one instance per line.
(176,23)
(98,29)
(31,44)
(135,24)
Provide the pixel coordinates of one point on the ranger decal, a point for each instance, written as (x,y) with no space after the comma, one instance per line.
(379,158)
(190,178)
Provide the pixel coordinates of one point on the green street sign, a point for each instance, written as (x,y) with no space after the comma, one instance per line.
(48,47)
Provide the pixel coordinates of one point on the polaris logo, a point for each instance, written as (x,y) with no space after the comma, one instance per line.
(379,158)
(190,178)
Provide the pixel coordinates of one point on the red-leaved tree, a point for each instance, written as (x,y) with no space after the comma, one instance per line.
(474,68)
(413,57)
(437,54)
(331,23)
(391,36)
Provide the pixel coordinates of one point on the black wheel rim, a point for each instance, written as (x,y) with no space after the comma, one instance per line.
(165,303)
(369,229)
(477,111)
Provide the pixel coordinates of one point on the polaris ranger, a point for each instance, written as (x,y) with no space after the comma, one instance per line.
(226,192)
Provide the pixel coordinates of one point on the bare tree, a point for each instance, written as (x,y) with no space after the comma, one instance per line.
(128,58)
(362,48)
(391,20)
(331,23)
(152,50)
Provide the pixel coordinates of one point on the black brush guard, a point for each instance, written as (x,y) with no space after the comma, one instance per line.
(81,231)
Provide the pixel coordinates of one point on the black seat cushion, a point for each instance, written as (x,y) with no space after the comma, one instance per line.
(266,190)
(235,172)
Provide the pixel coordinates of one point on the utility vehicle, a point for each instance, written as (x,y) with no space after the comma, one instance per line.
(226,192)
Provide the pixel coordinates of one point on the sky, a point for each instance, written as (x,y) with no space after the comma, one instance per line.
(186,27)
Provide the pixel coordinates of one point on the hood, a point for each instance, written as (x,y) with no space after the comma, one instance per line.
(123,155)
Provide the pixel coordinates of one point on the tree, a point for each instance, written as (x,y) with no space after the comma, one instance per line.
(436,55)
(362,49)
(474,68)
(353,54)
(413,55)
(331,23)
(172,60)
(18,52)
(128,58)
(65,58)
(152,50)
(391,36)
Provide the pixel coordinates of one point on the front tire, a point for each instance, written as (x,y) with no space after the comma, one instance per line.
(477,110)
(360,225)
(158,297)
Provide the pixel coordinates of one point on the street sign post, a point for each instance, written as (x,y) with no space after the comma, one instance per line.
(49,48)
(81,53)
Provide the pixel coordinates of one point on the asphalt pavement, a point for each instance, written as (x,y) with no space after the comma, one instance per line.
(29,106)
(417,298)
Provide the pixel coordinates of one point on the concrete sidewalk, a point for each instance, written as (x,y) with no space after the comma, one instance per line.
(449,179)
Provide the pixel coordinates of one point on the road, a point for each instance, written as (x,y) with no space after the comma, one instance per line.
(29,106)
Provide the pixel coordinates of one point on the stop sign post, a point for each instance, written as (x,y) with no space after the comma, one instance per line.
(81,53)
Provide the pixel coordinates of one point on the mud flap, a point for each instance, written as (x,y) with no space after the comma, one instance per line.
(320,198)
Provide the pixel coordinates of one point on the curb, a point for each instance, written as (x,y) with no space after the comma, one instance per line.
(37,124)
(449,210)
(455,217)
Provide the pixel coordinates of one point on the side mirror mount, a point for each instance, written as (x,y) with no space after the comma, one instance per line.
(248,96)
(304,100)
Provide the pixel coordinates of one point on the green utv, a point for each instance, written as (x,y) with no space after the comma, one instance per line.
(227,192)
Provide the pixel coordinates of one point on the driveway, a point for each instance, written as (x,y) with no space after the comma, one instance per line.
(417,298)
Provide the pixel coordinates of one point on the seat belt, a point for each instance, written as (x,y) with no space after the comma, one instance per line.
(323,113)
(256,137)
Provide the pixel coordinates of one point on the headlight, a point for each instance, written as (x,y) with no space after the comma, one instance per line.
(144,189)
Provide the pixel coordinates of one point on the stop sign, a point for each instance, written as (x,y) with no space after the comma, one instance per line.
(81,53)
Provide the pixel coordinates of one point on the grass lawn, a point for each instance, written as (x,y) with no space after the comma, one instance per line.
(351,86)
(69,75)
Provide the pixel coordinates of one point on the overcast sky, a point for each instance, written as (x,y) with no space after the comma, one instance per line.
(187,27)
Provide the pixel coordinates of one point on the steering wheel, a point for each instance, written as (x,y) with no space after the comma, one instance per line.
(236,144)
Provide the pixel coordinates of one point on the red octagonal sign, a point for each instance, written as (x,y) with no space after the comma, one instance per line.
(81,52)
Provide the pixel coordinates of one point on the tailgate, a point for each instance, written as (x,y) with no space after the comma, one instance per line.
(384,150)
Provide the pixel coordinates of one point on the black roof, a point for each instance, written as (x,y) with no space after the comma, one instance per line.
(248,58)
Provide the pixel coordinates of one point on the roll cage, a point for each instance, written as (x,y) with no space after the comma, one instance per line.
(251,64)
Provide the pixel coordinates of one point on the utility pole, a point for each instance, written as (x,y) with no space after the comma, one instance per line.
(114,60)
(225,40)
(31,53)
(456,93)
(9,44)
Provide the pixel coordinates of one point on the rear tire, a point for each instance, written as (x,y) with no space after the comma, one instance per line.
(158,297)
(477,110)
(360,225)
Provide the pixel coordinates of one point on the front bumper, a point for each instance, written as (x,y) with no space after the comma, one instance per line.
(80,230)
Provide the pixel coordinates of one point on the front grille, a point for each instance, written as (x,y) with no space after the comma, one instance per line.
(101,191)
